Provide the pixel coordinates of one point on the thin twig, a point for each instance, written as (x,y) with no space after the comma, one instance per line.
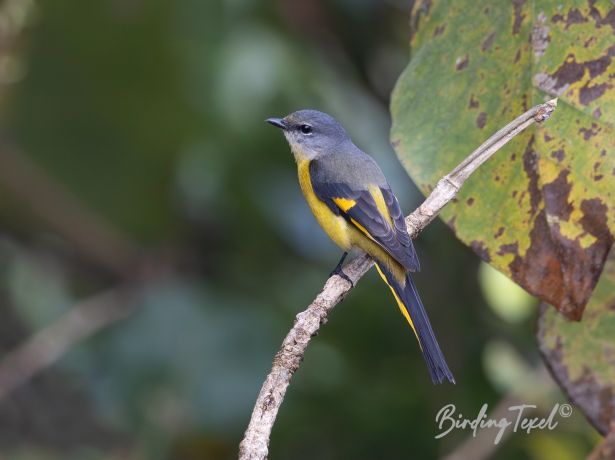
(88,317)
(46,198)
(255,443)
(46,346)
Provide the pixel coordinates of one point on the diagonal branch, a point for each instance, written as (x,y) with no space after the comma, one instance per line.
(287,360)
(85,319)
(48,199)
(47,346)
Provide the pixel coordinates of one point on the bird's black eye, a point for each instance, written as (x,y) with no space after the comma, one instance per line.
(306,129)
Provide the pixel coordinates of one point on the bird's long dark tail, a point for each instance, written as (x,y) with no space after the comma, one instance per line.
(412,308)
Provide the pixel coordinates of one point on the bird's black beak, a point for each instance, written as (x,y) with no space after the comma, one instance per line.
(277,122)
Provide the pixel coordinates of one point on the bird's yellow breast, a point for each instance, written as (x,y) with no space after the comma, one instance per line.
(334,226)
(339,230)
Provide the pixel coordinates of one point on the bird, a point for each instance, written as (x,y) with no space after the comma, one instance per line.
(352,201)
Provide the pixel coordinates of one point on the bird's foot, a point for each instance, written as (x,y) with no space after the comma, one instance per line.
(339,272)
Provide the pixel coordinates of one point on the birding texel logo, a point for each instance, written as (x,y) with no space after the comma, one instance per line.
(517,418)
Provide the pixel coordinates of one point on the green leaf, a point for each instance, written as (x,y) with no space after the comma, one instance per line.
(581,356)
(541,211)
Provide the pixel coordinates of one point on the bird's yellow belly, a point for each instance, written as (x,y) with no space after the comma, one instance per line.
(334,226)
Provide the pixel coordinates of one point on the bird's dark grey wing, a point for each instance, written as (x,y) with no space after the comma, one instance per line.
(359,207)
(401,232)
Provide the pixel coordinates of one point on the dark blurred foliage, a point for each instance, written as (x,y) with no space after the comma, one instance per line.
(149,116)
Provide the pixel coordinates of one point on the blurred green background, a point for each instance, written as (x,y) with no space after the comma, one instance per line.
(134,154)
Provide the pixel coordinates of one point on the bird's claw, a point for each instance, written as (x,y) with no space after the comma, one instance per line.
(339,272)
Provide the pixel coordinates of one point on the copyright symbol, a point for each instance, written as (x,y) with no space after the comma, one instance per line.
(565,410)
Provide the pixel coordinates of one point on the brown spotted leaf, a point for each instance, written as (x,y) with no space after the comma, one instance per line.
(542,209)
(581,356)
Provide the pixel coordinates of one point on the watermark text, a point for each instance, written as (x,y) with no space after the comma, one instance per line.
(517,418)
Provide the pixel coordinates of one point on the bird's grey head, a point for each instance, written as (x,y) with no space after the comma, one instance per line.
(310,133)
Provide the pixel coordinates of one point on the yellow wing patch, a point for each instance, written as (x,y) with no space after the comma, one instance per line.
(376,194)
(344,203)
